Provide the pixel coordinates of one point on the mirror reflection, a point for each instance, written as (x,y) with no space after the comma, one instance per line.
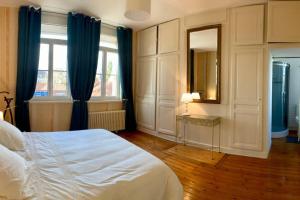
(204,61)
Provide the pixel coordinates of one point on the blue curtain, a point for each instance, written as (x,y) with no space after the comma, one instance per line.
(83,49)
(125,65)
(28,60)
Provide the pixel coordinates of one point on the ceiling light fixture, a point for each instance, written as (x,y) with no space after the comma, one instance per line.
(138,10)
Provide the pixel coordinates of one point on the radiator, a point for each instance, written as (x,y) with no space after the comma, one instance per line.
(109,120)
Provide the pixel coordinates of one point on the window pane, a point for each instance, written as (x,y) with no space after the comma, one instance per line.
(59,83)
(60,57)
(44,57)
(111,86)
(112,63)
(42,84)
(111,74)
(97,85)
(98,79)
(99,65)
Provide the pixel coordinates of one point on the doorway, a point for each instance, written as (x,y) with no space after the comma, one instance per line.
(284,96)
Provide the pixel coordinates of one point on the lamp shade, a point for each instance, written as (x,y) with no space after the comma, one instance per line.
(186,98)
(196,95)
(138,10)
(1,115)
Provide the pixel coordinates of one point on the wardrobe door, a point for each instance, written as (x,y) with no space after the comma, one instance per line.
(147,41)
(247,63)
(283,21)
(166,93)
(248,25)
(168,37)
(145,116)
(146,92)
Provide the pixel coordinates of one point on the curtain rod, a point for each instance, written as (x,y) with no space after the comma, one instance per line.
(64,14)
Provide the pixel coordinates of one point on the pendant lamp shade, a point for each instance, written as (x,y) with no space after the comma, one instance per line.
(138,10)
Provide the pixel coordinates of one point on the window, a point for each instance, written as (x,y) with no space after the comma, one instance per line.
(52,81)
(52,71)
(107,82)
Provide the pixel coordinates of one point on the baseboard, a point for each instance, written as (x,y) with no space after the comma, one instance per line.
(158,134)
(167,137)
(145,130)
(248,153)
(228,150)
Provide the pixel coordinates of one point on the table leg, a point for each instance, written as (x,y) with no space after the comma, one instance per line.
(212,142)
(184,131)
(219,137)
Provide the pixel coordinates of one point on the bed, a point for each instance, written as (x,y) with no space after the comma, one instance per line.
(96,165)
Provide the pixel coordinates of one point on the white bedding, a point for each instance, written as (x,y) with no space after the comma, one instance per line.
(95,164)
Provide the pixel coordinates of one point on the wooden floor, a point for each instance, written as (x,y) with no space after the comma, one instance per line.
(234,177)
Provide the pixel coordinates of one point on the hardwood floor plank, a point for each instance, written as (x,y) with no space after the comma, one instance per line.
(234,177)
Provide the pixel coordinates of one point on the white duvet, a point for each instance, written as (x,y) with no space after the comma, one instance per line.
(95,165)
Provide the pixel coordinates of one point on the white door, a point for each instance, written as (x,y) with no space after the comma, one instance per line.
(247,25)
(168,37)
(146,92)
(166,93)
(147,41)
(247,70)
(283,21)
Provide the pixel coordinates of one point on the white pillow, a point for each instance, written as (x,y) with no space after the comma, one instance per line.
(12,174)
(11,137)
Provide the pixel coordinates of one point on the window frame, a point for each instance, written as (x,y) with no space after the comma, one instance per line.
(51,42)
(103,96)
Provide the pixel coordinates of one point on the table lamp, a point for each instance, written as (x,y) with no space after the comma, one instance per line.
(186,98)
(1,115)
(196,95)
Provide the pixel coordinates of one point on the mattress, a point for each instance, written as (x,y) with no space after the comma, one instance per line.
(95,165)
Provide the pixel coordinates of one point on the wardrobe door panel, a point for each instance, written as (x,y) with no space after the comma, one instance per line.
(146,77)
(146,92)
(166,118)
(147,41)
(166,93)
(167,76)
(168,37)
(283,21)
(247,63)
(248,25)
(247,128)
(145,113)
(248,68)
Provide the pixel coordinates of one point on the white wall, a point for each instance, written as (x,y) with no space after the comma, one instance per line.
(294,90)
(223,109)
(48,116)
(8,51)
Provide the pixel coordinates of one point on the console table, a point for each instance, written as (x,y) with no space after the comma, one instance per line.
(201,120)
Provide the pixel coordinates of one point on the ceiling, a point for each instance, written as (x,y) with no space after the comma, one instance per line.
(112,11)
(205,40)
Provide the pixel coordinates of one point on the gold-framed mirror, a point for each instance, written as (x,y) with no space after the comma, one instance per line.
(204,63)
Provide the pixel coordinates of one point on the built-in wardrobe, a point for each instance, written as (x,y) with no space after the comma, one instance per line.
(157,79)
(247,61)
